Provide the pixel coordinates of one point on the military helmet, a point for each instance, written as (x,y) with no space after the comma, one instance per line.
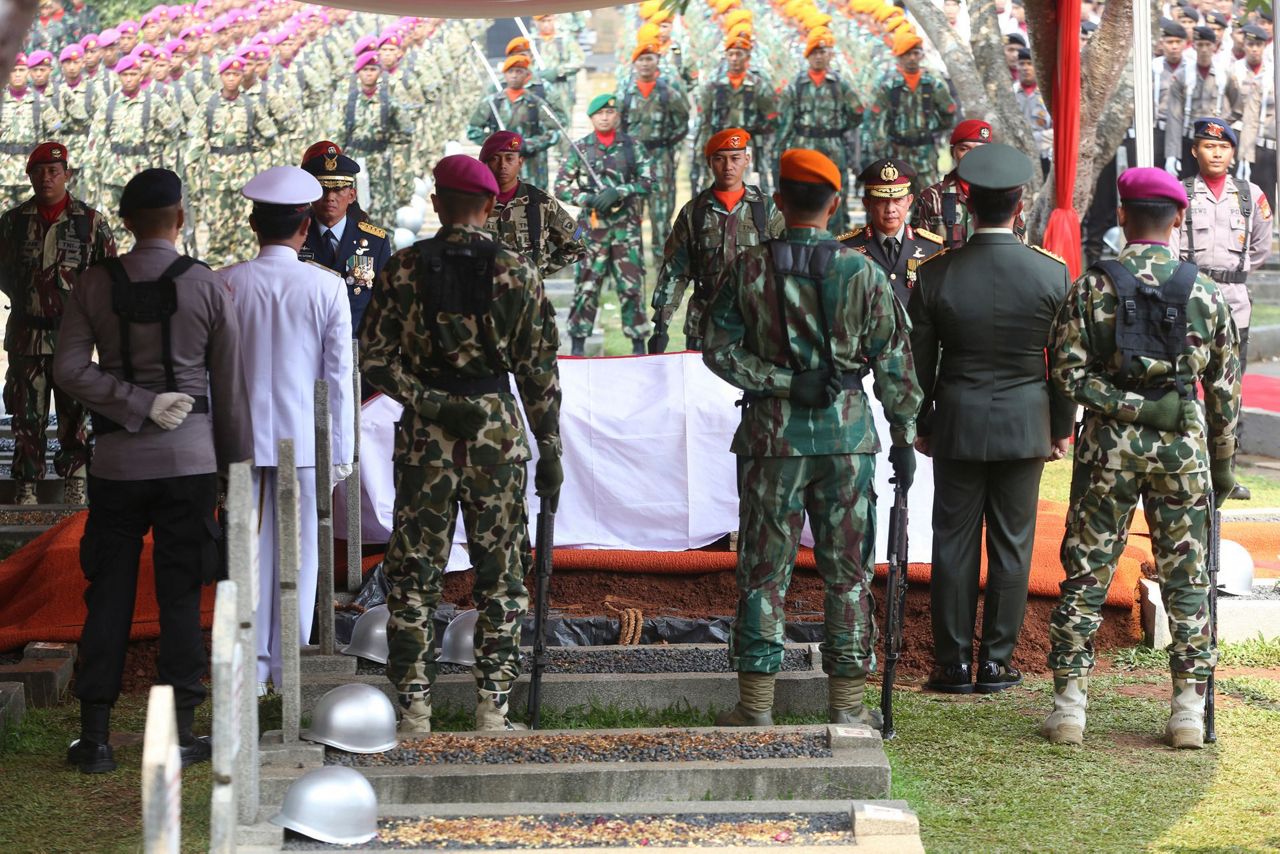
(331,804)
(369,635)
(458,644)
(1235,569)
(358,718)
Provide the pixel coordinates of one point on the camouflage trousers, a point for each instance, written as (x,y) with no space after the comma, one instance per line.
(661,200)
(924,159)
(382,185)
(1102,506)
(617,257)
(775,494)
(496,520)
(28,384)
(225,213)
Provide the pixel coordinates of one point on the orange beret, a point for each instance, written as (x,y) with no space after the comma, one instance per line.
(660,17)
(648,33)
(905,40)
(884,12)
(894,24)
(729,139)
(820,37)
(649,7)
(517,45)
(740,42)
(517,61)
(645,47)
(809,167)
(737,16)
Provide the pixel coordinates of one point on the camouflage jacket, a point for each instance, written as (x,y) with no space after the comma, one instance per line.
(700,248)
(562,58)
(753,106)
(913,118)
(623,166)
(75,116)
(24,123)
(39,266)
(223,134)
(813,115)
(659,121)
(130,134)
(949,218)
(400,346)
(368,123)
(80,104)
(524,116)
(1086,367)
(753,348)
(549,238)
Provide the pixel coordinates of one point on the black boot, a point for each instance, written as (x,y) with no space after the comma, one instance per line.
(637,347)
(193,748)
(90,752)
(578,347)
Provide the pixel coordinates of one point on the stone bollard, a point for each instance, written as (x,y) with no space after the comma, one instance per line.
(161,776)
(242,552)
(324,517)
(228,688)
(287,543)
(354,556)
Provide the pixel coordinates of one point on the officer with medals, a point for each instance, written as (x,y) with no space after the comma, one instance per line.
(341,236)
(887,239)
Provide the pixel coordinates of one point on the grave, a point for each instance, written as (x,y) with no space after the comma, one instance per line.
(1240,618)
(161,776)
(43,672)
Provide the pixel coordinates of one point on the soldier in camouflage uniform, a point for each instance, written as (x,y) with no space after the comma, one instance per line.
(1145,437)
(45,243)
(610,187)
(521,111)
(524,217)
(702,246)
(943,208)
(806,444)
(819,110)
(911,108)
(562,60)
(373,121)
(740,98)
(655,113)
(77,96)
(461,439)
(25,119)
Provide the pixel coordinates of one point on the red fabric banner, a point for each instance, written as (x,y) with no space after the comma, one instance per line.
(1063,232)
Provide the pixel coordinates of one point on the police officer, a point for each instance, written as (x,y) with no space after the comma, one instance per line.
(525,218)
(886,239)
(1145,437)
(45,243)
(165,335)
(296,324)
(340,236)
(796,324)
(462,440)
(1227,229)
(990,419)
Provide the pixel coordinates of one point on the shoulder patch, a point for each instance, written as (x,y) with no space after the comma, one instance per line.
(929,236)
(1052,255)
(1264,207)
(323,267)
(847,235)
(372,229)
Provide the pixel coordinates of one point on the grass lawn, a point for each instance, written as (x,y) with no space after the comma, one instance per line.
(1055,484)
(1264,314)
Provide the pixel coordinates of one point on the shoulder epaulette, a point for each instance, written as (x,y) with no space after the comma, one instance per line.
(372,229)
(847,235)
(322,267)
(934,257)
(929,236)
(1052,255)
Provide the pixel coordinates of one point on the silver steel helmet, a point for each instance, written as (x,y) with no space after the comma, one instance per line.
(331,804)
(1235,569)
(369,635)
(458,644)
(358,718)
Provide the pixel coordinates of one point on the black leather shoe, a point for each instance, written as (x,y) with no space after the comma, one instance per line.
(199,750)
(994,676)
(951,679)
(1240,492)
(91,757)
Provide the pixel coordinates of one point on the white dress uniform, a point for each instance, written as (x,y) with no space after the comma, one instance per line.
(295,320)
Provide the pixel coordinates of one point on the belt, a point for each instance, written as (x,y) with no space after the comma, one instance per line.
(849,381)
(1160,125)
(1269,144)
(130,150)
(103,425)
(1227,277)
(14,148)
(468,385)
(918,139)
(820,133)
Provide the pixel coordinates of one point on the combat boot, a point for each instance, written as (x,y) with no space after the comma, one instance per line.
(637,347)
(415,714)
(75,491)
(24,492)
(191,747)
(844,702)
(577,346)
(755,701)
(491,710)
(1065,724)
(1185,729)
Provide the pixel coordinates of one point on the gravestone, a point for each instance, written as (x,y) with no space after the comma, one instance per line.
(354,556)
(287,544)
(242,553)
(228,687)
(324,517)
(161,776)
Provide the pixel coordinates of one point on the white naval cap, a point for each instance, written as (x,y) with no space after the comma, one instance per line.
(283,185)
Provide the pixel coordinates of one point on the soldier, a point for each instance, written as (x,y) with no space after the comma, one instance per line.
(340,236)
(371,121)
(562,60)
(990,419)
(25,119)
(656,114)
(1027,95)
(911,108)
(742,98)
(76,95)
(525,218)
(1145,437)
(1202,88)
(819,110)
(797,324)
(943,208)
(521,111)
(464,440)
(49,30)
(1226,231)
(609,186)
(161,441)
(896,247)
(711,230)
(45,243)
(296,328)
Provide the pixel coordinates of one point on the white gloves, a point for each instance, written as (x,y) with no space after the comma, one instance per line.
(342,471)
(1173,166)
(1244,170)
(170,409)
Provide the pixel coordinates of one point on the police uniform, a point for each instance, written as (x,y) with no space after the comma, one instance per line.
(295,321)
(156,361)
(353,247)
(981,317)
(901,254)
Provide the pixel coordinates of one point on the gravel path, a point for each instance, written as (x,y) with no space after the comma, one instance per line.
(626,659)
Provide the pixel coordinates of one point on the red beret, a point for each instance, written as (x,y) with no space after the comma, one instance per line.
(324,146)
(465,175)
(503,140)
(1148,182)
(47,152)
(971,130)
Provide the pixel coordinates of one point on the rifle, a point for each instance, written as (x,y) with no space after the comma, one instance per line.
(1215,553)
(533,45)
(895,603)
(544,543)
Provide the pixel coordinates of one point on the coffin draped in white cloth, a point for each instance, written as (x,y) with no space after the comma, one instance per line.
(646,460)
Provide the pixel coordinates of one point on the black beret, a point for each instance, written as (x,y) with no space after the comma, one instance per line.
(1219,19)
(1170,27)
(1016,38)
(1024,53)
(150,189)
(1088,27)
(1253,31)
(1266,14)
(1205,34)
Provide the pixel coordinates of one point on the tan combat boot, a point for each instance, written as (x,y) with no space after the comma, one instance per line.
(491,711)
(415,714)
(755,701)
(75,491)
(24,492)
(1185,729)
(844,702)
(1065,724)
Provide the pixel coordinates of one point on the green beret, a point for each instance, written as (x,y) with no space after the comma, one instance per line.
(995,166)
(599,102)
